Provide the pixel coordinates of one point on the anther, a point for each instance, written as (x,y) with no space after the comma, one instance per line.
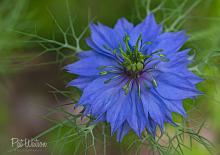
(103,73)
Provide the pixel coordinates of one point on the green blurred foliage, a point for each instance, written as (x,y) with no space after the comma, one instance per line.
(11,16)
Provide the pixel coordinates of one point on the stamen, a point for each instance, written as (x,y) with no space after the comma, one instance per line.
(110,79)
(103,67)
(118,57)
(126,87)
(103,73)
(139,90)
(157,51)
(125,56)
(146,43)
(126,40)
(109,71)
(114,51)
(151,69)
(161,55)
(154,82)
(162,58)
(136,47)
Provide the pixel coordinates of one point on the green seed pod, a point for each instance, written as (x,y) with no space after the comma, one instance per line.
(134,67)
(128,67)
(140,66)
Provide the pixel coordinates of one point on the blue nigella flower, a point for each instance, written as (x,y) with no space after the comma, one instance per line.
(134,77)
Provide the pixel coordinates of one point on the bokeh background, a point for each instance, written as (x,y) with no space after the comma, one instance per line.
(32,79)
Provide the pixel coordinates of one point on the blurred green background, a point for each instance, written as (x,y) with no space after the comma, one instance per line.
(30,78)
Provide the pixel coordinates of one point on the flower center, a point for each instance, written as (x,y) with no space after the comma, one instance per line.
(132,63)
(133,59)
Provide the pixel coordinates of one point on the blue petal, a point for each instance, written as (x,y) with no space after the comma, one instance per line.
(133,115)
(194,79)
(171,86)
(103,39)
(100,118)
(175,106)
(169,42)
(98,49)
(148,29)
(118,112)
(178,65)
(123,27)
(81,82)
(89,66)
(136,118)
(152,127)
(180,54)
(152,108)
(104,101)
(183,72)
(95,88)
(86,54)
(122,131)
(143,120)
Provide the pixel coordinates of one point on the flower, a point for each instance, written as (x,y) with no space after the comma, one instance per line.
(134,77)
